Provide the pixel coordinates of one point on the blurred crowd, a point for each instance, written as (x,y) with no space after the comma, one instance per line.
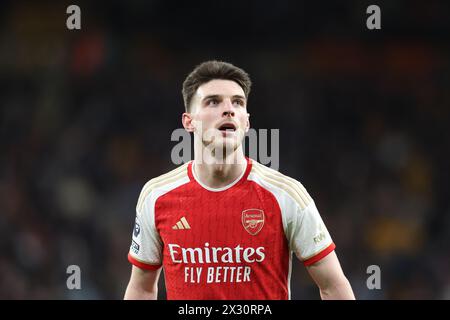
(86,118)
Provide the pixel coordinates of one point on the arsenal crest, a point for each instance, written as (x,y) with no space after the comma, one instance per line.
(253,220)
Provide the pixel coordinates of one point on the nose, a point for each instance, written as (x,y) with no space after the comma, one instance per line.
(228,109)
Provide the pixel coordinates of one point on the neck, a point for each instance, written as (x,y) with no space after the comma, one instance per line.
(218,172)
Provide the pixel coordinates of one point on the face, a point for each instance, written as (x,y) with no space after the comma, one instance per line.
(219,115)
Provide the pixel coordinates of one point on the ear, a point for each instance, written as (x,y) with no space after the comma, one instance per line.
(247,126)
(187,122)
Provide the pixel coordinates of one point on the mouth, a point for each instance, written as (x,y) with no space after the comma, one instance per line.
(226,127)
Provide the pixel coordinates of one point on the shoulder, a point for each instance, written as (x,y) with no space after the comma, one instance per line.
(280,183)
(164,183)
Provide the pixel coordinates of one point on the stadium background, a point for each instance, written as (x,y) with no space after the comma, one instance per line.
(86,118)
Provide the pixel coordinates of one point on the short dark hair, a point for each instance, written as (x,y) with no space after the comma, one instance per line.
(211,70)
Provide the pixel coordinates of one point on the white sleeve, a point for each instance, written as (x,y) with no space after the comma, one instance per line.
(146,245)
(307,234)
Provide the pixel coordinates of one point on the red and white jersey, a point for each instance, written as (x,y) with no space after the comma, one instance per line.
(229,243)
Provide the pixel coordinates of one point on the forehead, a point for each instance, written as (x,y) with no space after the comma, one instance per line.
(219,87)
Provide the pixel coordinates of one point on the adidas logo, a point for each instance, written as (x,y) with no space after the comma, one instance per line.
(181,225)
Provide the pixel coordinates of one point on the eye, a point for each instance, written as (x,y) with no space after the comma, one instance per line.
(212,102)
(239,102)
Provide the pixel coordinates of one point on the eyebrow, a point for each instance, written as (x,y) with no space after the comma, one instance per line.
(216,96)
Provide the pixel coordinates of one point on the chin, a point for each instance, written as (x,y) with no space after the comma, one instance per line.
(226,146)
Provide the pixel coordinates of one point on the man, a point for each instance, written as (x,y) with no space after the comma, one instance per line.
(224,226)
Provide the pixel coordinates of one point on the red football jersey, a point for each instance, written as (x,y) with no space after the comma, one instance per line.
(229,243)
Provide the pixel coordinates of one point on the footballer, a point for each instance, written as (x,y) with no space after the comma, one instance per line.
(224,226)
